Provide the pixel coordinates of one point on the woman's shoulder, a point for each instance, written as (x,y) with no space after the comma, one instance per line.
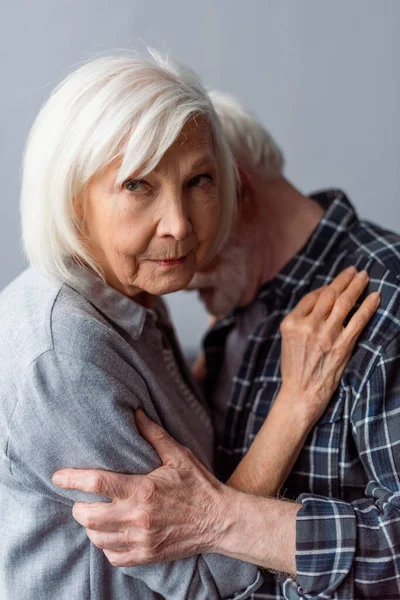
(38,315)
(80,329)
(25,311)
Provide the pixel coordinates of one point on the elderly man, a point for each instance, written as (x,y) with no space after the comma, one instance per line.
(345,486)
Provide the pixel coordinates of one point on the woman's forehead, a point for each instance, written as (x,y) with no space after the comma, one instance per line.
(195,142)
(195,139)
(196,130)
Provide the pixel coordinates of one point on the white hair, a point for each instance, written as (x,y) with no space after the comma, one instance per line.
(251,145)
(131,108)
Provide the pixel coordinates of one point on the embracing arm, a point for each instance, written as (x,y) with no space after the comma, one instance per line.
(315,352)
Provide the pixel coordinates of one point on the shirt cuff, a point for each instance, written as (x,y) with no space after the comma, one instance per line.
(326,533)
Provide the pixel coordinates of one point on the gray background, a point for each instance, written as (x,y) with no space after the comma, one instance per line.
(323,75)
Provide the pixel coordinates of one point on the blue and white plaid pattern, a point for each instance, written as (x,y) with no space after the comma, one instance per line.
(348,473)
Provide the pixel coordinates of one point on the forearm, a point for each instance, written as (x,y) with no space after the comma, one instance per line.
(259,530)
(274,450)
(262,530)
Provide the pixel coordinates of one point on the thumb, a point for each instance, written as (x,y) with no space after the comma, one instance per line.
(94,481)
(170,452)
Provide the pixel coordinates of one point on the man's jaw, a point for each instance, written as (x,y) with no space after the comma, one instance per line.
(222,288)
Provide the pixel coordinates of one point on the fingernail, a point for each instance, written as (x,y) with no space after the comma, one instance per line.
(140,414)
(351,269)
(375,296)
(362,274)
(57,479)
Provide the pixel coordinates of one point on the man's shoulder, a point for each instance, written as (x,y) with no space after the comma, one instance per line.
(378,245)
(377,250)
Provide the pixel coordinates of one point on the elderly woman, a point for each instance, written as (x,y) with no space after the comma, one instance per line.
(128,188)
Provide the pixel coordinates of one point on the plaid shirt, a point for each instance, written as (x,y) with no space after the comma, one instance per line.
(347,476)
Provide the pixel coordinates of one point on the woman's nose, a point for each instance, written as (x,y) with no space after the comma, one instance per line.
(175,220)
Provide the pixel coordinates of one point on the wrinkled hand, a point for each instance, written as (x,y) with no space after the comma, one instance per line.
(177,510)
(316,347)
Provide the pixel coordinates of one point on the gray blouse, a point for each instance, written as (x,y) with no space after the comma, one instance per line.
(75,364)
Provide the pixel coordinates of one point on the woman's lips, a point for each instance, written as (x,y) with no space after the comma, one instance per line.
(173,262)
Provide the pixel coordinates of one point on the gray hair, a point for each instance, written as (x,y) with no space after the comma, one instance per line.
(128,108)
(252,146)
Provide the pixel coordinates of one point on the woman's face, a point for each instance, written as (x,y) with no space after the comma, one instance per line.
(151,234)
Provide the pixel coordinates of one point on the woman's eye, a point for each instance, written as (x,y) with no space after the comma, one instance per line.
(135,185)
(201,180)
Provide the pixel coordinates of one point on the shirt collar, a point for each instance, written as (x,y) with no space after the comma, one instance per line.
(123,311)
(340,216)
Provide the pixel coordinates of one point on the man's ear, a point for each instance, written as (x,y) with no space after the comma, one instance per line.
(247,205)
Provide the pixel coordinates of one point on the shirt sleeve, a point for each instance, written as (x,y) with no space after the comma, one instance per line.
(74,413)
(352,550)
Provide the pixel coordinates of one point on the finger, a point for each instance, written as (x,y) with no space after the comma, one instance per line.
(306,304)
(166,447)
(346,301)
(329,294)
(341,281)
(106,540)
(324,304)
(99,516)
(360,319)
(121,559)
(95,481)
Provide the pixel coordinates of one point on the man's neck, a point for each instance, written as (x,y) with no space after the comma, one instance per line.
(285,221)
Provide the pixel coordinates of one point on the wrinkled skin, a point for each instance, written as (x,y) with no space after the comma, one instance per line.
(134,527)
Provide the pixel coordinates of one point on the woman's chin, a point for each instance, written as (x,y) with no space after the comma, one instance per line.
(168,283)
